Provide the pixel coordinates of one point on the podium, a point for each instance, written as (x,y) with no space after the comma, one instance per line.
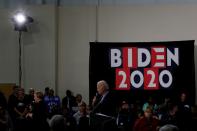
(102,122)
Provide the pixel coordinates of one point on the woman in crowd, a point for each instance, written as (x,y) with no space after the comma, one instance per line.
(5,120)
(38,114)
(148,122)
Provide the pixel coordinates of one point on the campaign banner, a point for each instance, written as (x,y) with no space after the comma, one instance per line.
(138,68)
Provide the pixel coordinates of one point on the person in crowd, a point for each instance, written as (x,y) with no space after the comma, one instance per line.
(81,113)
(57,123)
(46,91)
(20,110)
(136,110)
(14,93)
(170,117)
(169,127)
(5,120)
(125,118)
(63,122)
(46,98)
(82,118)
(52,103)
(79,101)
(69,101)
(151,103)
(147,122)
(11,101)
(46,95)
(30,96)
(83,124)
(184,113)
(163,108)
(38,114)
(3,101)
(88,109)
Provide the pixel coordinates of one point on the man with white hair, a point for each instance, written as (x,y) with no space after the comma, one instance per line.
(103,104)
(102,115)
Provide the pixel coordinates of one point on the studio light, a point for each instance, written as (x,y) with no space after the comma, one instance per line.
(20,18)
(21,21)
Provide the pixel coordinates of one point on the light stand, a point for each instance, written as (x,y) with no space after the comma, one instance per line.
(20,55)
(20,24)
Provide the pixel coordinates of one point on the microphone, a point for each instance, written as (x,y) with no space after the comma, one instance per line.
(97,94)
(95,99)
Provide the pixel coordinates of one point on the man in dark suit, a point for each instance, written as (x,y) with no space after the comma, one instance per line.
(103,111)
(104,103)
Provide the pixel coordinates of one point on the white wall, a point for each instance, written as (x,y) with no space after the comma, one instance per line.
(76,29)
(148,23)
(116,24)
(38,48)
(8,50)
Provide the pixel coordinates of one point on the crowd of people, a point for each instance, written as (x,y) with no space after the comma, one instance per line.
(47,112)
(42,111)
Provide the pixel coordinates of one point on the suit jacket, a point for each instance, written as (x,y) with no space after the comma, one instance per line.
(106,105)
(72,102)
